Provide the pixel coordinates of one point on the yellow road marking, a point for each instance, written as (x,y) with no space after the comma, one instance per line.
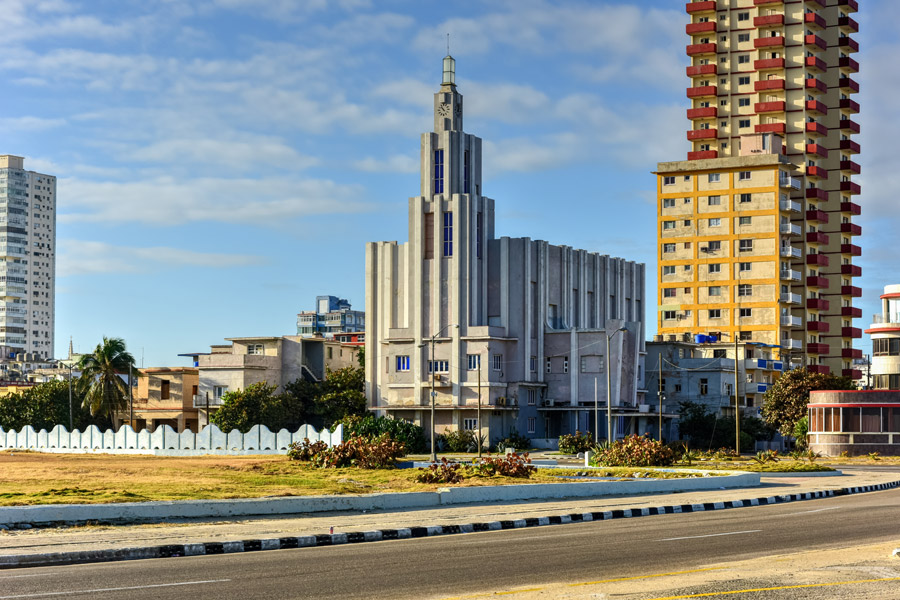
(782,587)
(645,576)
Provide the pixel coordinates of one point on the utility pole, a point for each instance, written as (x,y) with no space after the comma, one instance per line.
(478,436)
(131,397)
(596,415)
(737,402)
(70,397)
(659,393)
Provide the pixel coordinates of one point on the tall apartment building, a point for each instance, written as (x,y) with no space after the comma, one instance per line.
(332,315)
(756,232)
(27,261)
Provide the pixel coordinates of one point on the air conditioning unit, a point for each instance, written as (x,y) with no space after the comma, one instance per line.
(673,338)
(549,402)
(501,401)
(680,317)
(644,408)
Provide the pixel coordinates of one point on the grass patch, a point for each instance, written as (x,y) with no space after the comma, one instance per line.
(782,466)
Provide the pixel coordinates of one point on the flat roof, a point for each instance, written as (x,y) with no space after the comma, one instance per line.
(731,162)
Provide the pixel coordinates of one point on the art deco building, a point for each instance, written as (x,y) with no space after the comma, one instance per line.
(885,332)
(756,236)
(27,262)
(518,323)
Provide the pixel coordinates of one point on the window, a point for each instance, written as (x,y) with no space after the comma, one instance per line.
(720,353)
(533,364)
(714,200)
(743,123)
(744,175)
(668,247)
(497,362)
(473,361)
(715,268)
(549,366)
(745,289)
(403,363)
(669,180)
(715,222)
(744,101)
(742,60)
(532,423)
(744,267)
(744,80)
(668,225)
(669,292)
(746,198)
(715,290)
(743,16)
(704,387)
(677,387)
(713,177)
(687,200)
(219,391)
(164,389)
(745,245)
(687,222)
(743,37)
(669,315)
(448,234)
(438,171)
(256,349)
(466,172)
(746,312)
(714,246)
(743,220)
(715,313)
(470,424)
(668,202)
(668,270)
(532,396)
(438,366)
(566,365)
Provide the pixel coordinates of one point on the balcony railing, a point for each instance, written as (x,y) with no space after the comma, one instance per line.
(768,64)
(816,237)
(790,229)
(774,41)
(790,205)
(851,228)
(817,303)
(851,270)
(791,344)
(791,321)
(851,207)
(789,182)
(200,401)
(817,348)
(818,326)
(816,281)
(850,146)
(790,252)
(819,260)
(789,298)
(702,134)
(849,105)
(850,187)
(790,275)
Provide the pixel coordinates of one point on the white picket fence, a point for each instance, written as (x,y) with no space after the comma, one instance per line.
(163,441)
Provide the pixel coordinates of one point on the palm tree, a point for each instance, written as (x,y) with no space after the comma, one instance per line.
(105,392)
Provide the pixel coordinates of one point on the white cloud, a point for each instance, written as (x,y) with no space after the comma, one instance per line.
(398,163)
(81,257)
(30,123)
(234,155)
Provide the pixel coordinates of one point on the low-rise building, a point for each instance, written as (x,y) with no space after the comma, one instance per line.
(885,332)
(857,422)
(333,315)
(163,396)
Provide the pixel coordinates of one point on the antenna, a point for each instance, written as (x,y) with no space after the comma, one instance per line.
(448,44)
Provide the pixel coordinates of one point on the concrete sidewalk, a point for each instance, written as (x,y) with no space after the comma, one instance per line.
(98,543)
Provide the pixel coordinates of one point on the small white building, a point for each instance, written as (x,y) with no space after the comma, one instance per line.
(885,332)
(518,325)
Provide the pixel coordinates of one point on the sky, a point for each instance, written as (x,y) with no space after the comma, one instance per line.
(222,162)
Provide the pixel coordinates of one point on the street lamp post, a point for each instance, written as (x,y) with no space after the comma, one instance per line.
(609,336)
(70,397)
(433,393)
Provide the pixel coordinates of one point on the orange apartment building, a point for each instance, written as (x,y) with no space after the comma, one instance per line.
(756,237)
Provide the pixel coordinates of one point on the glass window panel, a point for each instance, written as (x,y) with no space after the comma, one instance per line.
(852,420)
(871,420)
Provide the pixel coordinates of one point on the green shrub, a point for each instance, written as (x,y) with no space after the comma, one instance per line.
(461,440)
(510,465)
(573,443)
(409,434)
(514,441)
(305,450)
(634,451)
(440,472)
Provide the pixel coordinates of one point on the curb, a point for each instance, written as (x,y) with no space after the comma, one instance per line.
(356,537)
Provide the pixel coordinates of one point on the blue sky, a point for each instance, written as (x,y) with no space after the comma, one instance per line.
(222,162)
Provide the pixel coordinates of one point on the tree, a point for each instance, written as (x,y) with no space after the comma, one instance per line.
(786,400)
(709,431)
(105,392)
(256,404)
(341,394)
(44,406)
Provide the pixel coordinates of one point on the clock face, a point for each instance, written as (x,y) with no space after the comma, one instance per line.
(444,109)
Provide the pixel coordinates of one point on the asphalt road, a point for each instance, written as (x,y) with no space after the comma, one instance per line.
(468,564)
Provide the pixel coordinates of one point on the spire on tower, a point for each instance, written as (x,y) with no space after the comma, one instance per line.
(449,70)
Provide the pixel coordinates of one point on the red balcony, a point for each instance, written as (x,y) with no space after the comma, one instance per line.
(852,373)
(817,215)
(768,20)
(848,44)
(816,237)
(696,28)
(813,41)
(848,85)
(774,41)
(817,149)
(849,6)
(852,271)
(849,125)
(850,188)
(814,106)
(702,134)
(851,228)
(816,86)
(848,25)
(816,194)
(849,105)
(815,64)
(817,282)
(698,70)
(769,84)
(851,311)
(703,91)
(700,7)
(816,172)
(817,348)
(703,154)
(845,62)
(851,332)
(816,128)
(851,290)
(849,165)
(851,353)
(851,249)
(769,107)
(817,303)
(813,20)
(820,326)
(767,2)
(851,207)
(822,369)
(700,49)
(770,128)
(706,112)
(768,64)
(820,260)
(850,146)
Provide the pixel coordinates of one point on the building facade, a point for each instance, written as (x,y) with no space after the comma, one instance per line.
(164,396)
(857,422)
(885,332)
(516,325)
(756,234)
(27,261)
(332,315)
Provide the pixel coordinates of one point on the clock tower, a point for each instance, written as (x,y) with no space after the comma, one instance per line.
(447,101)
